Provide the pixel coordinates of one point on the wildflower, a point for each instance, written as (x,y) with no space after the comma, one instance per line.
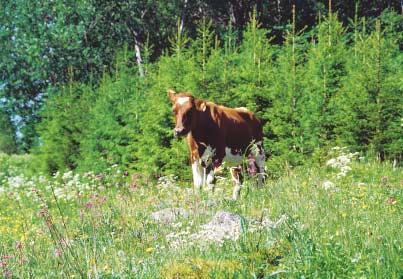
(16,181)
(59,193)
(177,225)
(149,249)
(121,254)
(18,245)
(331,162)
(65,242)
(57,253)
(345,169)
(391,201)
(328,185)
(99,177)
(67,175)
(89,205)
(101,200)
(341,162)
(356,258)
(6,257)
(341,174)
(43,212)
(7,274)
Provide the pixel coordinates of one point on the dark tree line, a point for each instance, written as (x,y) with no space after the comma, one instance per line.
(44,44)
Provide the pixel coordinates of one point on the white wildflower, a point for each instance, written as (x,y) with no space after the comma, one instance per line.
(15,182)
(167,182)
(328,185)
(67,175)
(345,169)
(332,162)
(177,225)
(121,254)
(342,161)
(59,193)
(341,174)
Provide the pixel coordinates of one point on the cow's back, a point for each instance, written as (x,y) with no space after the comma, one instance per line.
(241,127)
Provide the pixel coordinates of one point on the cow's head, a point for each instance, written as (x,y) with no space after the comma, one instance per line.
(185,109)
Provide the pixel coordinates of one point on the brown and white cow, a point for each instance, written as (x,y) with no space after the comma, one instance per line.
(218,135)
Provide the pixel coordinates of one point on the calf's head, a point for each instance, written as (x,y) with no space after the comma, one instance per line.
(185,109)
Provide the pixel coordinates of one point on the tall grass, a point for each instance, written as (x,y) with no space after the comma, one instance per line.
(101,226)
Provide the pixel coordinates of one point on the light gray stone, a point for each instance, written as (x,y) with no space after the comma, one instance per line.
(169,215)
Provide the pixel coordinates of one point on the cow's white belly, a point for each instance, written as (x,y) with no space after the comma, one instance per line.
(230,159)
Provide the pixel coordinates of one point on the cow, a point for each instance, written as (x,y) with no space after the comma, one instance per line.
(218,136)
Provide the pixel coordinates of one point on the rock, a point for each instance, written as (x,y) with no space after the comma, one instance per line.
(169,215)
(223,226)
(225,218)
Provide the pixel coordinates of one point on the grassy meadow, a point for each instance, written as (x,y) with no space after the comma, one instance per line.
(337,217)
(94,185)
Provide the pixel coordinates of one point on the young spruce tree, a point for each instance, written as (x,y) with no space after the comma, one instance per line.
(325,69)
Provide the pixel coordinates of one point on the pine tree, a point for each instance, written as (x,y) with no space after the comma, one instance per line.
(64,119)
(372,95)
(287,139)
(252,67)
(322,80)
(110,134)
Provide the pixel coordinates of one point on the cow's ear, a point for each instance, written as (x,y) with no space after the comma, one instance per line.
(171,95)
(201,105)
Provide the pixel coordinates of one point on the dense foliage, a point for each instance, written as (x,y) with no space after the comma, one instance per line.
(7,134)
(333,85)
(41,40)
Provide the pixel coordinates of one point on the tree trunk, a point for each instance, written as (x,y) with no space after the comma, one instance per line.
(138,54)
(183,16)
(237,13)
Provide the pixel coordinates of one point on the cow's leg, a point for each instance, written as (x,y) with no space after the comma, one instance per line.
(198,174)
(210,179)
(252,166)
(207,160)
(215,157)
(236,179)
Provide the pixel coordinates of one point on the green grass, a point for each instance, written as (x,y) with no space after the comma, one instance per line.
(103,228)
